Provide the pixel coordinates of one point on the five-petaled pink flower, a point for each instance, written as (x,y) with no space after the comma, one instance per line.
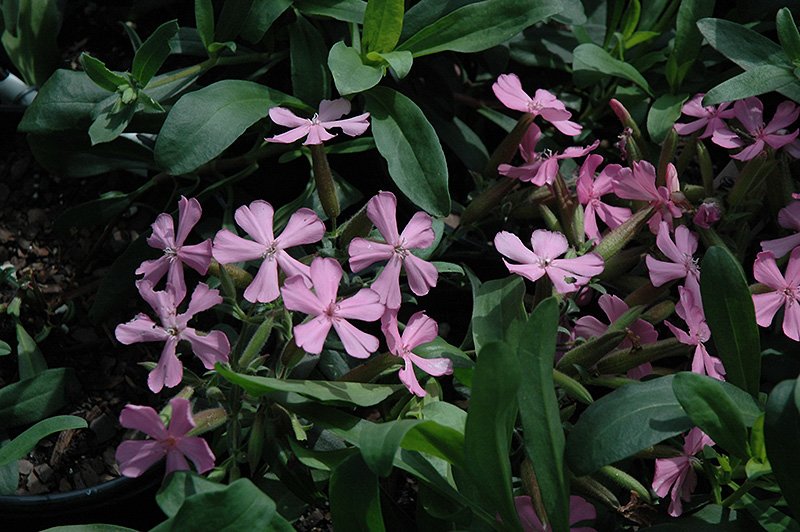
(365,305)
(418,234)
(210,348)
(709,116)
(788,217)
(614,307)
(786,292)
(540,168)
(304,227)
(690,310)
(316,128)
(681,253)
(579,511)
(420,330)
(136,456)
(591,189)
(750,113)
(197,256)
(508,89)
(676,475)
(639,183)
(567,275)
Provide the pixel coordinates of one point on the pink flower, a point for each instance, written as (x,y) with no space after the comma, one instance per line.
(579,510)
(418,234)
(707,213)
(420,330)
(591,189)
(547,246)
(680,253)
(508,90)
(541,167)
(327,311)
(788,217)
(786,292)
(304,227)
(135,456)
(197,256)
(750,113)
(639,183)
(690,310)
(711,117)
(614,307)
(210,348)
(316,128)
(676,475)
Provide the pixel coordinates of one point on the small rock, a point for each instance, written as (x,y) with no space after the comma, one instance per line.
(77,481)
(110,461)
(25,467)
(35,486)
(97,465)
(37,216)
(103,427)
(90,478)
(64,485)
(44,472)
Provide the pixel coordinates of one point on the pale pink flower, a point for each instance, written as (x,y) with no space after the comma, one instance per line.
(788,217)
(579,510)
(591,189)
(197,256)
(136,456)
(786,292)
(420,330)
(418,234)
(540,168)
(316,128)
(508,89)
(676,475)
(750,112)
(614,307)
(304,227)
(680,252)
(707,213)
(567,275)
(210,348)
(690,310)
(365,305)
(710,116)
(639,183)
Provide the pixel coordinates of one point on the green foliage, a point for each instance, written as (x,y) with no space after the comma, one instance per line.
(35,398)
(25,442)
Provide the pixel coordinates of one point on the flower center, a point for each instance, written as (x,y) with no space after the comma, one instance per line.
(314,120)
(270,251)
(170,252)
(331,312)
(543,262)
(534,106)
(692,264)
(400,249)
(172,330)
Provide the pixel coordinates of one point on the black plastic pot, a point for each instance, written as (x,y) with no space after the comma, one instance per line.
(128,502)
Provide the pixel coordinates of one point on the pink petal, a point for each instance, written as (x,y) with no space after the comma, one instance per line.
(530,139)
(203,298)
(750,151)
(508,90)
(509,245)
(694,107)
(140,329)
(317,134)
(408,378)
(613,306)
(256,220)
(791,320)
(696,439)
(264,286)
(292,266)
(197,256)
(567,127)
(529,271)
(229,248)
(590,223)
(175,461)
(432,366)
(163,232)
(785,115)
(310,336)
(285,117)
(420,329)
(690,127)
(789,216)
(304,227)
(580,510)
(559,278)
(387,285)
(549,107)
(333,109)
(189,212)
(326,274)
(365,305)
(663,272)
(154,270)
(666,245)
(546,173)
(667,472)
(766,271)
(357,343)
(181,420)
(390,331)
(211,348)
(613,216)
(585,182)
(680,335)
(766,306)
(169,370)
(779,141)
(292,135)
(296,296)
(574,152)
(793,269)
(727,139)
(143,418)
(422,275)
(750,113)
(136,457)
(353,126)
(365,252)
(382,210)
(527,515)
(587,266)
(418,234)
(525,173)
(588,326)
(548,244)
(198,451)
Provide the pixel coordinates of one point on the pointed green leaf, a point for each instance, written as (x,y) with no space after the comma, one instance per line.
(781,434)
(25,442)
(383,22)
(344,10)
(498,312)
(204,18)
(380,441)
(97,72)
(788,34)
(411,149)
(399,61)
(743,46)
(688,39)
(31,400)
(538,408)
(591,58)
(355,497)
(731,316)
(261,16)
(663,114)
(758,80)
(311,79)
(153,52)
(30,359)
(349,71)
(111,121)
(65,102)
(178,487)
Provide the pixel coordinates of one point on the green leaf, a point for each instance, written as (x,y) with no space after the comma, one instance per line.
(399,61)
(383,22)
(31,400)
(355,497)
(89,528)
(380,441)
(710,408)
(688,38)
(350,74)
(731,317)
(478,26)
(153,52)
(788,34)
(623,423)
(663,114)
(66,102)
(239,506)
(769,517)
(758,80)
(411,149)
(29,38)
(538,408)
(25,442)
(179,486)
(30,358)
(498,312)
(354,393)
(261,16)
(743,46)
(97,72)
(781,434)
(434,438)
(5,349)
(202,124)
(630,19)
(204,19)
(311,79)
(111,121)
(344,10)
(490,421)
(591,58)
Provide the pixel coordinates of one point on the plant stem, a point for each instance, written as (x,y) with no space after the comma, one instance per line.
(208,64)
